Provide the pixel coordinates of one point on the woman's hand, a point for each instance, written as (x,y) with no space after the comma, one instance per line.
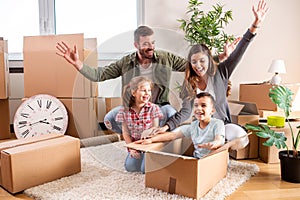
(145,141)
(70,55)
(259,13)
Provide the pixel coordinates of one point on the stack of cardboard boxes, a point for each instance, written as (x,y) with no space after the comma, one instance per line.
(259,94)
(47,73)
(4,91)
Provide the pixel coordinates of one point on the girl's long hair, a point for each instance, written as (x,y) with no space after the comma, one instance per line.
(191,77)
(133,85)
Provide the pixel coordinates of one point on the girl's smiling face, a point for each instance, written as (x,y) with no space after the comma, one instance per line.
(143,94)
(200,63)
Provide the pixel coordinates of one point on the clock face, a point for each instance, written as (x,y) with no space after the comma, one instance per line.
(40,114)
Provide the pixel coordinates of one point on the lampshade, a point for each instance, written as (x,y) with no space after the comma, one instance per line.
(277,66)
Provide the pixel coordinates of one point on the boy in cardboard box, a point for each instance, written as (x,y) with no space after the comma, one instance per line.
(207,133)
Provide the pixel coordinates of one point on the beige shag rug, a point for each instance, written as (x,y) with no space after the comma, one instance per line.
(103,177)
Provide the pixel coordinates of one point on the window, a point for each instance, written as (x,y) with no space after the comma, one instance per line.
(18,18)
(96,19)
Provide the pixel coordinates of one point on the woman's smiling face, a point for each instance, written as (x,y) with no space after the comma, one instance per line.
(200,63)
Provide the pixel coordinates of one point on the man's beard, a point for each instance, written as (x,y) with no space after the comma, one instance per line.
(145,54)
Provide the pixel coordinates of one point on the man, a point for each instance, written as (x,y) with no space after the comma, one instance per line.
(157,65)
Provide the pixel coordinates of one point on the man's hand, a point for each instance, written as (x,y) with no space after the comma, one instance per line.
(70,55)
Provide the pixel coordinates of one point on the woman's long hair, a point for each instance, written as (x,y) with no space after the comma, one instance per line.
(133,85)
(191,78)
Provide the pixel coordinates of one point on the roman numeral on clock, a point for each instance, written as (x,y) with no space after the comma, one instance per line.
(30,107)
(26,115)
(22,124)
(39,101)
(58,118)
(56,128)
(25,133)
(48,104)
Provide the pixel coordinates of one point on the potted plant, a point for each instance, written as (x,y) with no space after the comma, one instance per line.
(207,28)
(289,159)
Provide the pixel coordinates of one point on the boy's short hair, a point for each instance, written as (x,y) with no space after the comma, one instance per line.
(206,94)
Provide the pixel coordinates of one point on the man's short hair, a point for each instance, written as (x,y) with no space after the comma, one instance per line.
(142,31)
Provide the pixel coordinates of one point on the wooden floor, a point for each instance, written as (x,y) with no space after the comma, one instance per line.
(265,185)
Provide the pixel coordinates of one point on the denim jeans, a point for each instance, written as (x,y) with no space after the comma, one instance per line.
(135,165)
(110,122)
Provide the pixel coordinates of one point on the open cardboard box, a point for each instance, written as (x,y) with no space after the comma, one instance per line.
(171,167)
(243,113)
(29,162)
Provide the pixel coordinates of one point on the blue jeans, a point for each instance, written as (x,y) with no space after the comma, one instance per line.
(135,165)
(110,122)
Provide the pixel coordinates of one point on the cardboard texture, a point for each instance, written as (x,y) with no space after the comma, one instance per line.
(19,142)
(4,71)
(4,119)
(270,154)
(259,94)
(82,117)
(28,165)
(169,169)
(54,75)
(243,113)
(112,103)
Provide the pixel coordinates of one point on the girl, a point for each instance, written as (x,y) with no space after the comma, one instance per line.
(137,115)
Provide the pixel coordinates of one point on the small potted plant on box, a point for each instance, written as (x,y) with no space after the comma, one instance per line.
(289,159)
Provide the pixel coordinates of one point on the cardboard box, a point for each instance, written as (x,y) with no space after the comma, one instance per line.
(4,119)
(29,165)
(82,117)
(171,168)
(53,73)
(259,94)
(112,103)
(19,142)
(243,113)
(270,154)
(4,70)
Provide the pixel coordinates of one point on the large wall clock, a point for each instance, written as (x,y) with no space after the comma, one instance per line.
(40,114)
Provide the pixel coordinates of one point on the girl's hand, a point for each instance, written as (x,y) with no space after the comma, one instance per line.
(135,154)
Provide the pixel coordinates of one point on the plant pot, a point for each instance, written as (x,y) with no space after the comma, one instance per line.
(290,167)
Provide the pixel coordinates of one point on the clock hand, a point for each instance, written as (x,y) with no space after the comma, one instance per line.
(43,121)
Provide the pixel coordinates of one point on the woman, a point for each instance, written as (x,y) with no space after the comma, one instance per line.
(204,75)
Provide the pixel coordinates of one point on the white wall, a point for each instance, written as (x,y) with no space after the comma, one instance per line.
(277,38)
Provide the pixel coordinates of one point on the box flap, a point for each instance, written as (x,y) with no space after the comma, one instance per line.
(20,142)
(146,147)
(242,108)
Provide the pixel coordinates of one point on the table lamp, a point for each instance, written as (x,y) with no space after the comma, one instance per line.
(277,67)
